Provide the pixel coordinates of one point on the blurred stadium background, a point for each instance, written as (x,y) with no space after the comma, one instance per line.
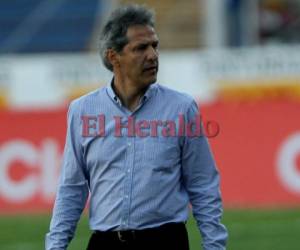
(239,58)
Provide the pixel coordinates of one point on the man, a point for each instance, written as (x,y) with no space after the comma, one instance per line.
(121,148)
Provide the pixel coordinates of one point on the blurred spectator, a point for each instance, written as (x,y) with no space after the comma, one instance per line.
(279,21)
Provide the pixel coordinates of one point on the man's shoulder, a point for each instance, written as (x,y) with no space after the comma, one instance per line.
(88,99)
(174,95)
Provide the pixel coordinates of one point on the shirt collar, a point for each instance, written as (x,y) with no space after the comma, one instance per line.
(112,93)
(148,94)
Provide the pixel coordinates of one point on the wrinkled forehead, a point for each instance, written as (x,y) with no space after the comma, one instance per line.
(143,33)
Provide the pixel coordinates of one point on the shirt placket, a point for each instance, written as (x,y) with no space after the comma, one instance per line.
(128,169)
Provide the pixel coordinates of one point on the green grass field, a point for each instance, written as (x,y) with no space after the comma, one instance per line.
(248,229)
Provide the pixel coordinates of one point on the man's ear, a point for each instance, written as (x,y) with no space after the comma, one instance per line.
(113,57)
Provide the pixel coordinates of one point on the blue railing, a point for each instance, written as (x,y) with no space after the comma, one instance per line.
(46,25)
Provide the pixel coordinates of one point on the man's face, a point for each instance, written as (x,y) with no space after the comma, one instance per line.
(138,60)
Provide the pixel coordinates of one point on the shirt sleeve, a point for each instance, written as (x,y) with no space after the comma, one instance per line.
(72,190)
(202,182)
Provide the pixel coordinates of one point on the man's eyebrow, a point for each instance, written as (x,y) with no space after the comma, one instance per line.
(147,43)
(142,44)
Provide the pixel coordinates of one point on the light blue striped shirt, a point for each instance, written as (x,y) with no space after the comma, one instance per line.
(135,181)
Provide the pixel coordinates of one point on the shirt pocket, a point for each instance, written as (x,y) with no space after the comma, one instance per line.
(162,153)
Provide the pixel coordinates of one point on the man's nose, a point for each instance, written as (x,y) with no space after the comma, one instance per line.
(152,53)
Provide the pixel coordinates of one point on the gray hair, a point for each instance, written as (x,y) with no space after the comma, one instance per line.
(113,35)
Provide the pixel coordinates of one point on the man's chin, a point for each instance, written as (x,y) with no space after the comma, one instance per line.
(149,81)
(152,79)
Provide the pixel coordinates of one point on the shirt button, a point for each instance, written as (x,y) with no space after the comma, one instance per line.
(129,144)
(126,196)
(128,171)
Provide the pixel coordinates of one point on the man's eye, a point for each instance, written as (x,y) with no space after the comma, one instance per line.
(142,47)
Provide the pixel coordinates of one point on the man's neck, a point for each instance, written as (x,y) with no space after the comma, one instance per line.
(129,93)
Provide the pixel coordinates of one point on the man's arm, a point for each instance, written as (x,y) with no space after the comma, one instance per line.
(201,180)
(72,191)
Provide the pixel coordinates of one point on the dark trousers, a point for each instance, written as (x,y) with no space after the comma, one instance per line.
(167,237)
